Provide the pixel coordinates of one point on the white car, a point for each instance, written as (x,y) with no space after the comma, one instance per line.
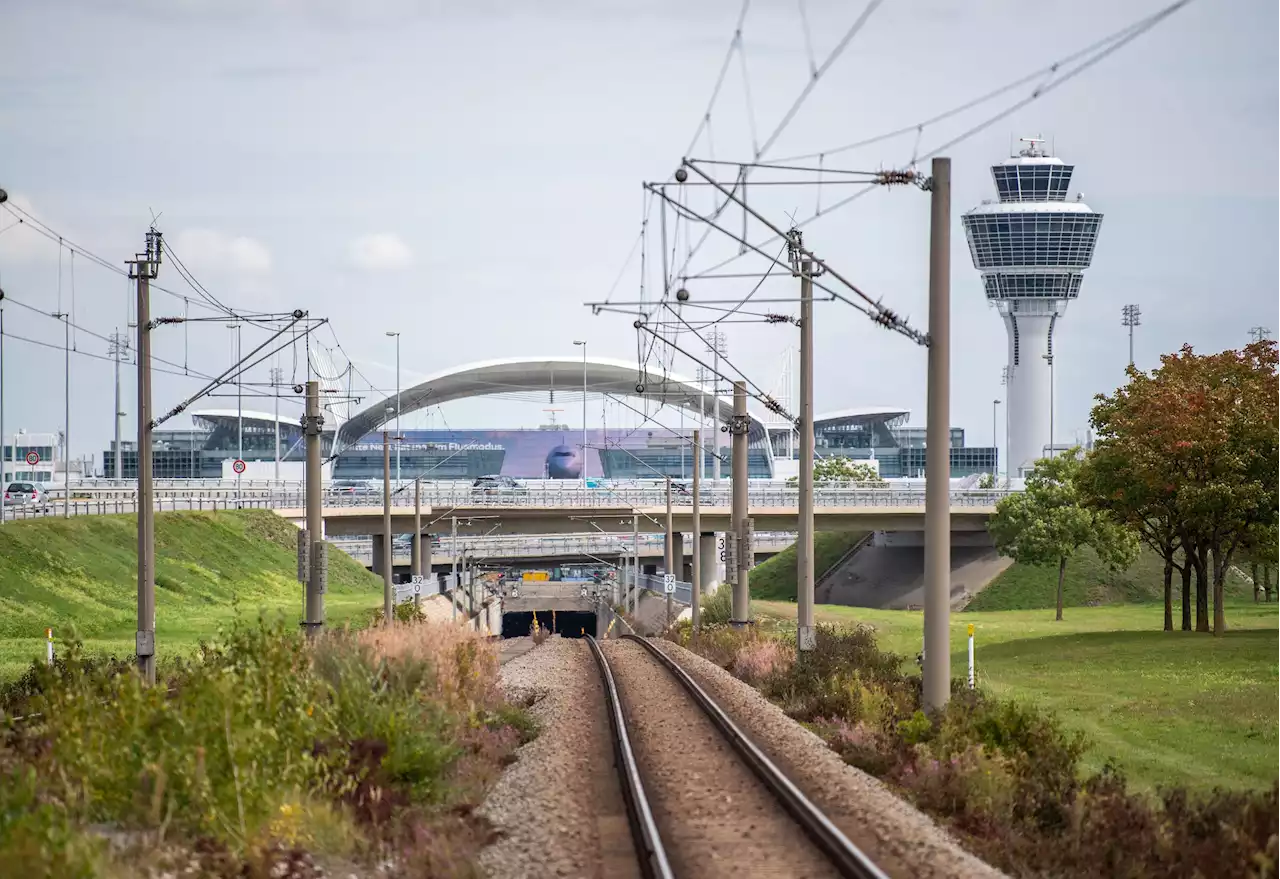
(25,494)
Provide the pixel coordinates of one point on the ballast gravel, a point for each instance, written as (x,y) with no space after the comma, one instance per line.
(902,841)
(558,810)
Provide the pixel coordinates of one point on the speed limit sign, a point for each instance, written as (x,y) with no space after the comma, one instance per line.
(238,466)
(33,458)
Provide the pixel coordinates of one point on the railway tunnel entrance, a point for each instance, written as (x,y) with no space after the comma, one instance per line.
(567,623)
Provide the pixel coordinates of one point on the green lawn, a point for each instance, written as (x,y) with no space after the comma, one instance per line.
(79,575)
(1170,707)
(775,578)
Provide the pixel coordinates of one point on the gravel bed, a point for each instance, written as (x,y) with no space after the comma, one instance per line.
(715,817)
(903,841)
(558,810)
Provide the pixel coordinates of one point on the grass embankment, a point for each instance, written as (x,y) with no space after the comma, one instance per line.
(775,578)
(81,574)
(1170,707)
(1087,581)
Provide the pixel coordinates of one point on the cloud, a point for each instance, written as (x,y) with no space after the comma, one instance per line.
(380,252)
(214,251)
(19,240)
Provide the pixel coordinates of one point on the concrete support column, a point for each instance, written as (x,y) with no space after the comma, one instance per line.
(649,569)
(710,563)
(379,542)
(677,554)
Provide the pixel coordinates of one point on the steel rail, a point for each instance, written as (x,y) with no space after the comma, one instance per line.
(849,860)
(644,829)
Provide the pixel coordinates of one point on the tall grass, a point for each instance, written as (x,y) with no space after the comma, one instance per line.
(263,748)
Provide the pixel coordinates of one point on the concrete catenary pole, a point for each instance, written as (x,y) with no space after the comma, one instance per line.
(669,558)
(635,561)
(696,598)
(4,448)
(317,570)
(738,428)
(144,269)
(388,610)
(415,563)
(937,515)
(805,638)
(453,555)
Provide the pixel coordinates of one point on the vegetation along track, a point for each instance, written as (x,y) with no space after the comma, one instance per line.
(713,809)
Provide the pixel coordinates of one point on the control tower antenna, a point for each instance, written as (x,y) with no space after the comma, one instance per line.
(1032,247)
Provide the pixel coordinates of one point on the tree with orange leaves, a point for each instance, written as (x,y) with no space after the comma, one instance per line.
(1187,457)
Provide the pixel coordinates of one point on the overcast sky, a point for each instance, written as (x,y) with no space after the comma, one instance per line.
(470,174)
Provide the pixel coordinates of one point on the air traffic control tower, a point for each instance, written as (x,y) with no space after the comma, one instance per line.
(1032,247)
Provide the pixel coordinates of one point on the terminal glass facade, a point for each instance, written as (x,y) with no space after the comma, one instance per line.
(899,450)
(539,454)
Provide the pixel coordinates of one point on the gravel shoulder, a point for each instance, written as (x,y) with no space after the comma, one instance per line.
(903,841)
(558,810)
(715,818)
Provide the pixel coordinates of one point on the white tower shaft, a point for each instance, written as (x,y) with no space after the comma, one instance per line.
(1030,389)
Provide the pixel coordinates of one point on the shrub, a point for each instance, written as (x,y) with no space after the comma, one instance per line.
(267,748)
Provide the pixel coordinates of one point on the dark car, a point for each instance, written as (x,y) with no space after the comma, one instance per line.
(489,485)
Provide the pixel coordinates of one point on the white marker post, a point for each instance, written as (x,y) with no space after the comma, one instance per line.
(48,634)
(971,679)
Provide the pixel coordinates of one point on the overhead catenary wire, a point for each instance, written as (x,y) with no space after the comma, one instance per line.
(1096,52)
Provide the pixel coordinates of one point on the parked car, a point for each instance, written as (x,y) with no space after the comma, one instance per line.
(25,494)
(490,485)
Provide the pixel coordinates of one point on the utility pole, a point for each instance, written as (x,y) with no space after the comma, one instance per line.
(1130,316)
(415,551)
(805,636)
(584,411)
(277,377)
(119,345)
(937,503)
(995,441)
(398,437)
(144,269)
(4,442)
(66,433)
(716,342)
(387,609)
(317,549)
(453,555)
(635,558)
(239,411)
(738,428)
(696,600)
(670,561)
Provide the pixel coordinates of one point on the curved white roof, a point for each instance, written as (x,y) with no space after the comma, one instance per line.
(247,414)
(602,376)
(862,412)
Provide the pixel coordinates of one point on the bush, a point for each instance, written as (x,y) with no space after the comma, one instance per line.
(267,748)
(1003,775)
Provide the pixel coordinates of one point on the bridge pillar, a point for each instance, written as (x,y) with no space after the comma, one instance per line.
(677,554)
(379,541)
(710,562)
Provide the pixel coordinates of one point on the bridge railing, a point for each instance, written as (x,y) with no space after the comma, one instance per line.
(607,546)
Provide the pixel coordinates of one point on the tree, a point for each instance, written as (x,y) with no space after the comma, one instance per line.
(1049,521)
(1123,476)
(1187,455)
(835,468)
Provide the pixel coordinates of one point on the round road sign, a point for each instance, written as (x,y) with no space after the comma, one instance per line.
(238,465)
(33,458)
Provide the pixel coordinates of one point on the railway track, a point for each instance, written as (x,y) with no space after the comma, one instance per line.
(696,807)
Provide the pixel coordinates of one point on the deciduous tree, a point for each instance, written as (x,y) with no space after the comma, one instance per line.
(836,468)
(1049,521)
